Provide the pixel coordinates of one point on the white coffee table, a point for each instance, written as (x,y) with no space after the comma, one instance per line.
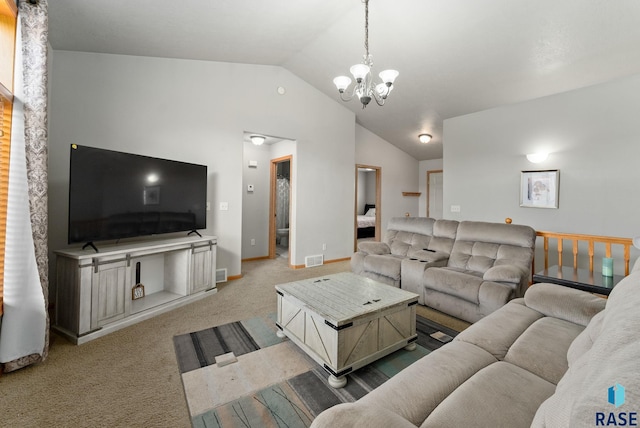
(346,321)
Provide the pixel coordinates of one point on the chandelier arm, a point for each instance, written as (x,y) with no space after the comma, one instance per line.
(348,97)
(379,101)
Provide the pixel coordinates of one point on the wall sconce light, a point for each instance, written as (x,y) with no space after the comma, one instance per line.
(537,157)
(257,139)
(424,138)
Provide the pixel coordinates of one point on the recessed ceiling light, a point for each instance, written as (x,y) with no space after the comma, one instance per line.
(424,138)
(257,139)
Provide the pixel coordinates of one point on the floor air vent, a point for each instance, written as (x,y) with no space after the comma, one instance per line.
(311,261)
(221,275)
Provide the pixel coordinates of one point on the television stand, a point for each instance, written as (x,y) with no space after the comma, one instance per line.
(94,291)
(90,244)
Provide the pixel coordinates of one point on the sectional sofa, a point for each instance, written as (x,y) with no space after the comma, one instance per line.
(467,269)
(558,357)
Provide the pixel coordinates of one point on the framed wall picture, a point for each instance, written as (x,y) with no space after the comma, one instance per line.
(539,189)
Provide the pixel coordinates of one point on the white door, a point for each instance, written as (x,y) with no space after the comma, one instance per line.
(434,192)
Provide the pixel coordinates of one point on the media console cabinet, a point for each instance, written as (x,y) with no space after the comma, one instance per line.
(95,291)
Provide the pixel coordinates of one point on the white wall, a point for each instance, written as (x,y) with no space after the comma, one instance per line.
(423,167)
(593,137)
(197,111)
(255,205)
(398,174)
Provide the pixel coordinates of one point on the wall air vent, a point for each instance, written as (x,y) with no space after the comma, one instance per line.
(311,261)
(221,275)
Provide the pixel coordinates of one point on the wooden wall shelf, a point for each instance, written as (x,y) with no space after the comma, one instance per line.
(411,193)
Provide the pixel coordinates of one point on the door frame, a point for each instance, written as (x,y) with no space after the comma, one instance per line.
(429,188)
(378,171)
(272,204)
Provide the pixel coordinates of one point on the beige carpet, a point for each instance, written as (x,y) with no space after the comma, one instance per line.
(130,378)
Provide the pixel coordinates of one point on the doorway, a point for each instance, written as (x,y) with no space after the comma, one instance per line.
(434,194)
(280,208)
(368,201)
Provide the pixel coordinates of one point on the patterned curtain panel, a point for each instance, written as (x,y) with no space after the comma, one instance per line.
(282,207)
(24,337)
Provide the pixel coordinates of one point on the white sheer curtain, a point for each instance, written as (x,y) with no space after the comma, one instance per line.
(23,334)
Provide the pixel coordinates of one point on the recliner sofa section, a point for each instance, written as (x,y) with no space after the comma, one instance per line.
(489,265)
(466,269)
(423,241)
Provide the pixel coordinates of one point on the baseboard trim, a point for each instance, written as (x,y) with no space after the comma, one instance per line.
(253,259)
(326,262)
(234,277)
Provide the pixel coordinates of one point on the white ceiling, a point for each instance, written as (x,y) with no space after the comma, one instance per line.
(454,56)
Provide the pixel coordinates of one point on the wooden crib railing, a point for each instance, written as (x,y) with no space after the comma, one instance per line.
(592,241)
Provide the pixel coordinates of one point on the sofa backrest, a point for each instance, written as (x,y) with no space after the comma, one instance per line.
(444,235)
(406,232)
(481,245)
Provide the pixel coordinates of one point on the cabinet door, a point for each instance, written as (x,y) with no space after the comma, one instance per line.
(202,269)
(109,293)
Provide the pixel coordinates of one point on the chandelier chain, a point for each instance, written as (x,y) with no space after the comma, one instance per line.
(366,27)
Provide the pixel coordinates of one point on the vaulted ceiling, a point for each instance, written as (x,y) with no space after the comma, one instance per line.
(454,56)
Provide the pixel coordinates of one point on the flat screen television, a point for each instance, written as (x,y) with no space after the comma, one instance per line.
(114,195)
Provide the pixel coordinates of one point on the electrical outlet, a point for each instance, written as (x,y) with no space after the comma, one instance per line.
(253,242)
(324,247)
(455,208)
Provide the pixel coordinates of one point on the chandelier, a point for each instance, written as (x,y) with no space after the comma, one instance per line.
(366,88)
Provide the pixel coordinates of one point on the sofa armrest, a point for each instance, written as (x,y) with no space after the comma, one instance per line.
(356,415)
(504,273)
(565,303)
(374,248)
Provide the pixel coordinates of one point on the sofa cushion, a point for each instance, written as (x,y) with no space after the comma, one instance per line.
(428,381)
(402,241)
(505,273)
(497,233)
(542,348)
(481,245)
(374,247)
(462,284)
(500,395)
(502,328)
(474,256)
(585,340)
(359,416)
(563,302)
(384,265)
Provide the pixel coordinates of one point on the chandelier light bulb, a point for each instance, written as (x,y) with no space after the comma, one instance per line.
(359,71)
(388,76)
(342,83)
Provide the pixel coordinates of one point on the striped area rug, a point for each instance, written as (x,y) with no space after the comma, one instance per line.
(242,375)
